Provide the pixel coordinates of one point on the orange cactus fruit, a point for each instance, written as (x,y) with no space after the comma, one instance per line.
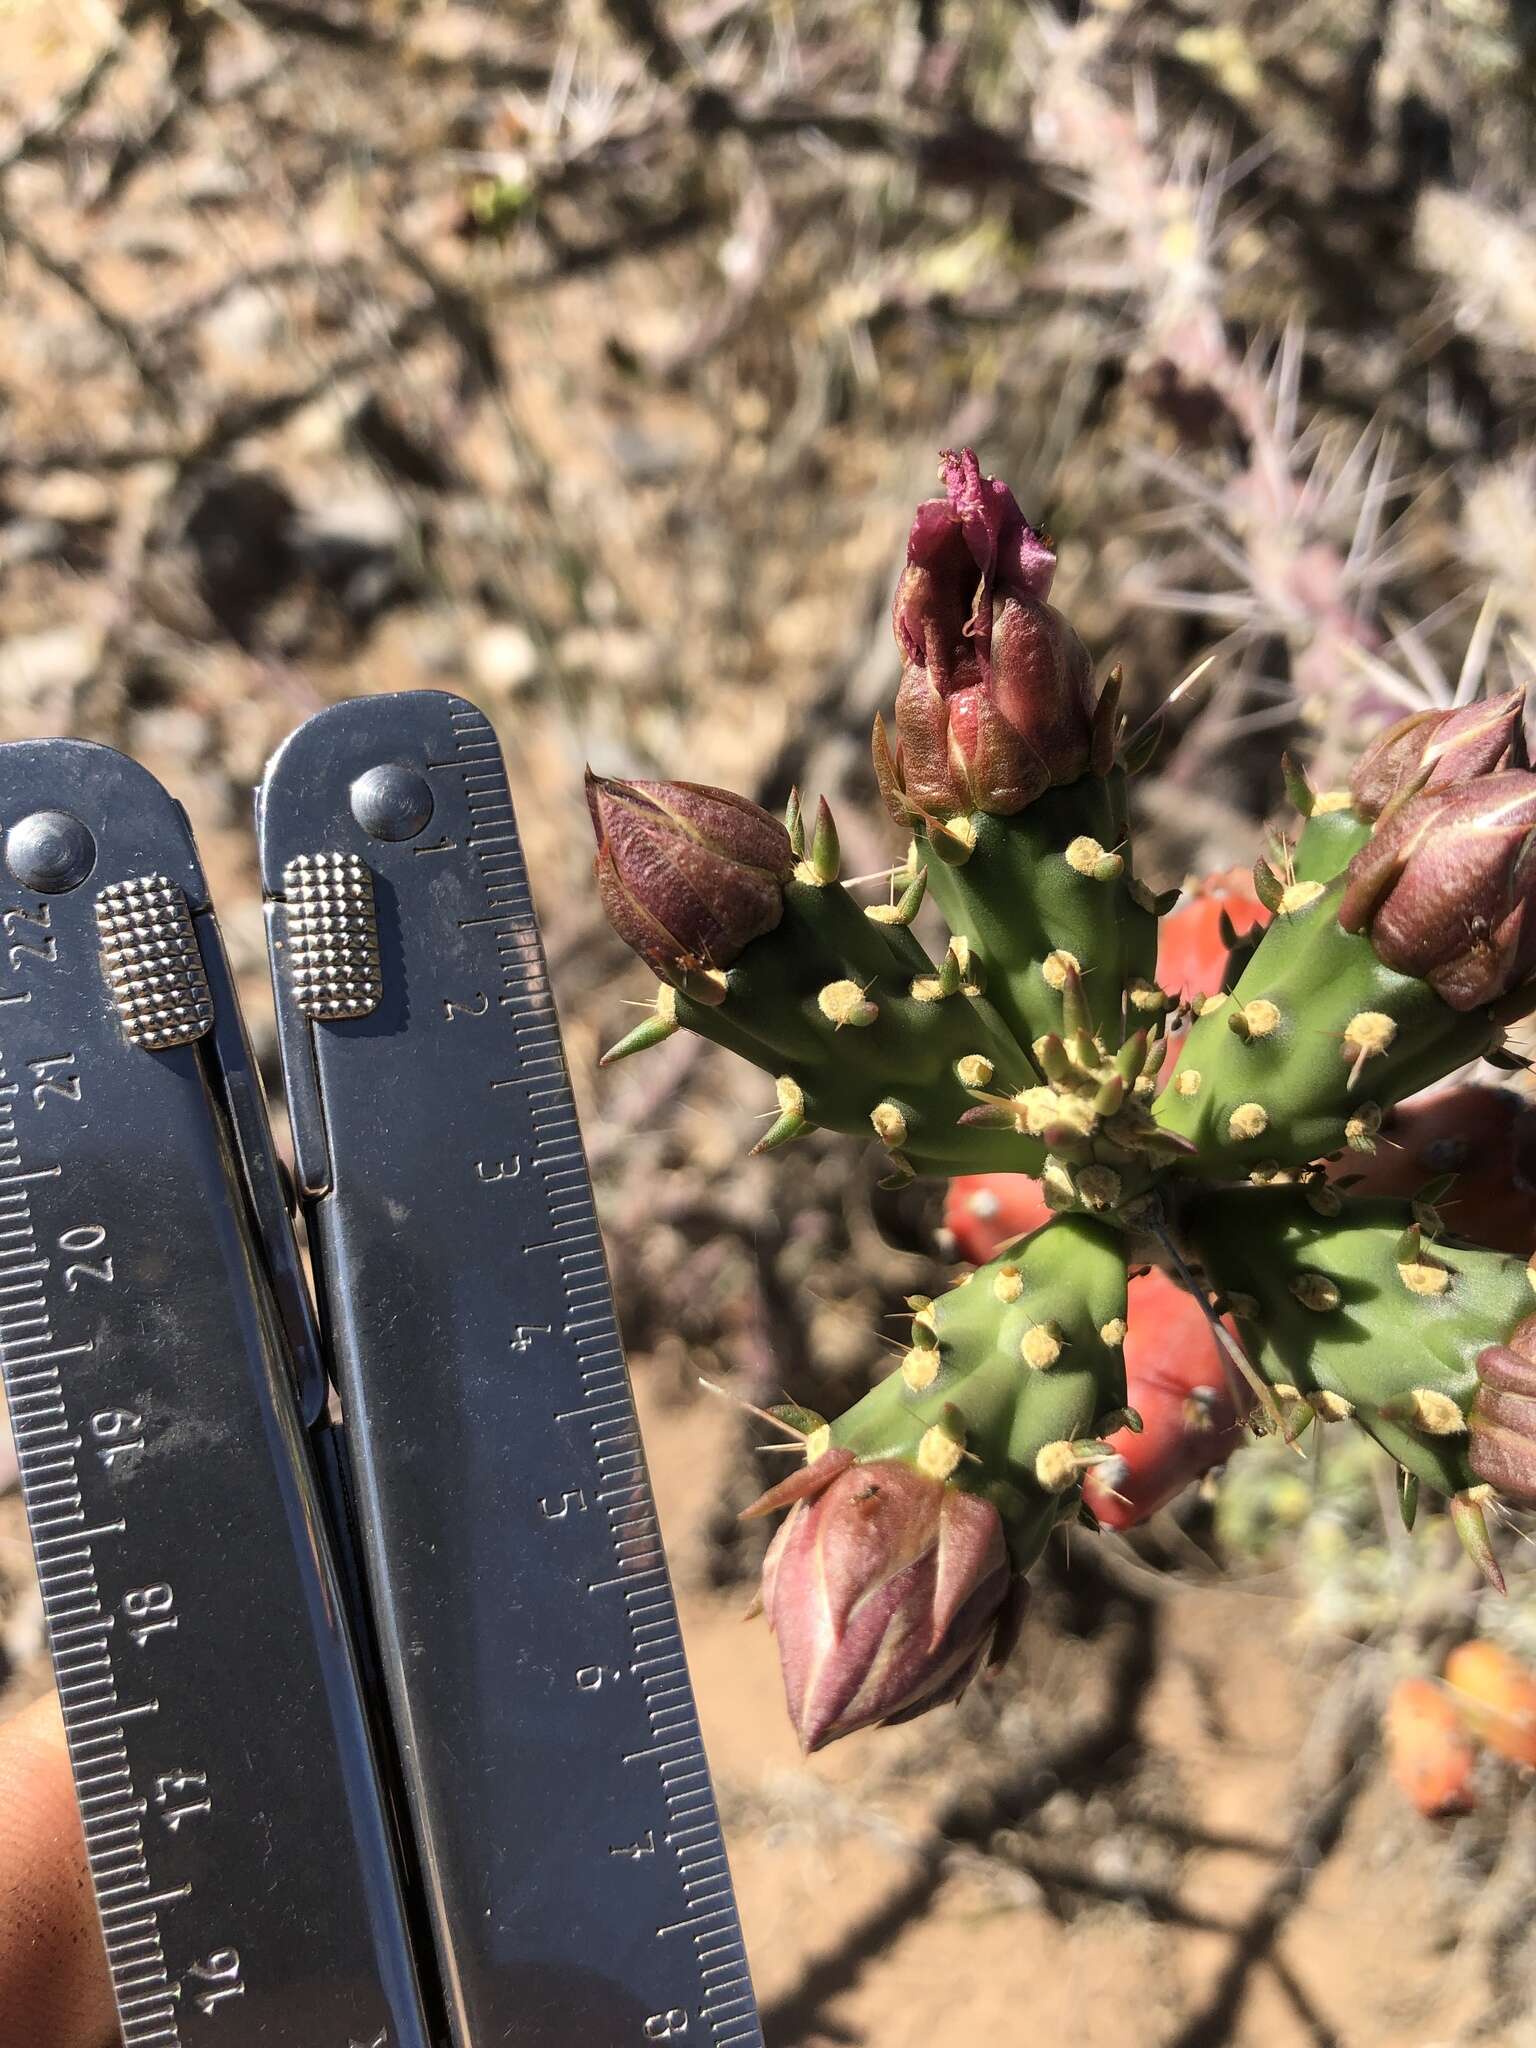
(1428,1753)
(1496,1696)
(1191,951)
(985,1211)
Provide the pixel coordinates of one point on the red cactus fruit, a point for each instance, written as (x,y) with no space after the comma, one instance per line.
(1428,1753)
(1191,951)
(1177,1383)
(985,1211)
(1486,1137)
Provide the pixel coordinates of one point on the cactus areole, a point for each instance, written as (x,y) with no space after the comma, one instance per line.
(1207,1130)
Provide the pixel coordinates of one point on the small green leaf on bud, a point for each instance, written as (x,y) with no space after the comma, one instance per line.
(794,824)
(907,905)
(1267,885)
(1297,787)
(826,857)
(656,1028)
(791,1121)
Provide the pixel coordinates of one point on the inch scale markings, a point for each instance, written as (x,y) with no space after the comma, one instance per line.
(693,1833)
(80,1630)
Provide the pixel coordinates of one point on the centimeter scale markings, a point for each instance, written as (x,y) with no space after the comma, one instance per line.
(657,1660)
(232,1813)
(554,1768)
(112,1810)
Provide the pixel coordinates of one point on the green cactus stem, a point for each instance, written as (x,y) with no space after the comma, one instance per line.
(1317,1038)
(1019,1369)
(1360,1317)
(828,1004)
(1053,879)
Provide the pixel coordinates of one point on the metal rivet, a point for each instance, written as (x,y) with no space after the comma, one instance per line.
(50,852)
(391,802)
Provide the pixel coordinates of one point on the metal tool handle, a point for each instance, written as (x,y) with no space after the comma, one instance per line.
(234,1819)
(558,1788)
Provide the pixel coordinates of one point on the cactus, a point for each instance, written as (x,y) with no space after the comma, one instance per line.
(1211,1100)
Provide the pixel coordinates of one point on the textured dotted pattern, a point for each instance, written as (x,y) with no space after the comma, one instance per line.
(153,966)
(333,935)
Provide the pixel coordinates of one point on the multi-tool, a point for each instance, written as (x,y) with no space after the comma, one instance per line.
(378,1709)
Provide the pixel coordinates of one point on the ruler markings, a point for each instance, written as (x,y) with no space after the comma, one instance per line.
(633,1530)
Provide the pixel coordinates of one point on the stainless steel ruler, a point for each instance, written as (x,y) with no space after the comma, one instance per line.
(381,1726)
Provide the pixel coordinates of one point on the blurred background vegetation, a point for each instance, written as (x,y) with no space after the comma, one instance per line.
(588,360)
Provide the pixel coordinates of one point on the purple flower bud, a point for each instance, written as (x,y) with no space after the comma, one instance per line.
(688,875)
(996,697)
(886,1590)
(1445,886)
(1435,750)
(1502,1424)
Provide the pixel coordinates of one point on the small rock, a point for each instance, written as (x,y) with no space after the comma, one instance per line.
(247,325)
(71,497)
(503,658)
(43,670)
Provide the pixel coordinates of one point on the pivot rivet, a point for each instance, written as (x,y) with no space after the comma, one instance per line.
(391,802)
(50,851)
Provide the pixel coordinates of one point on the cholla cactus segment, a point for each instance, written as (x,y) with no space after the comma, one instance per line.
(1026,895)
(1019,1365)
(1329,840)
(1336,1322)
(827,1002)
(1351,1036)
(897,1574)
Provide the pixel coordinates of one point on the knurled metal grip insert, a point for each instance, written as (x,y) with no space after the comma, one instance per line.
(153,965)
(333,935)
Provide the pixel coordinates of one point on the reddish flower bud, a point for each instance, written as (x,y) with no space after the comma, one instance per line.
(886,1589)
(688,875)
(1444,886)
(996,700)
(1502,1422)
(1435,750)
